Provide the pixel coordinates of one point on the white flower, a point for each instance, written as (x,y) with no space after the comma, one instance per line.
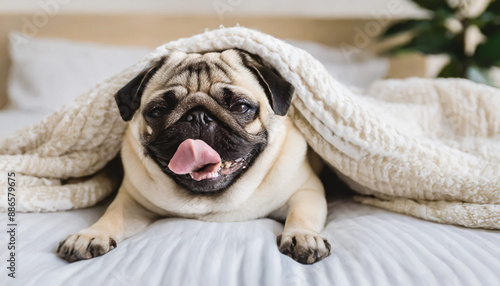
(473,37)
(454,25)
(469,8)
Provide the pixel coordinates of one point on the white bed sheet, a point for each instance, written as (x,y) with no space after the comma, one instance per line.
(12,119)
(369,247)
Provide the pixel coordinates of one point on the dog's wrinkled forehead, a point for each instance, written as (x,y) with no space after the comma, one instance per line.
(197,71)
(207,73)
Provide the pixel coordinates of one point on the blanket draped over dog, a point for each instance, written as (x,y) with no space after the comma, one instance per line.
(423,147)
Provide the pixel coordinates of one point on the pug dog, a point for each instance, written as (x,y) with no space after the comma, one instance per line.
(208,138)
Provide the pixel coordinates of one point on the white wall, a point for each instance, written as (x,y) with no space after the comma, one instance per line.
(307,8)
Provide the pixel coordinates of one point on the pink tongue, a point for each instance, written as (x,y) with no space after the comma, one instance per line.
(193,155)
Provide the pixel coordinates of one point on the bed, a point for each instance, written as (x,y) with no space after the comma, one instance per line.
(369,246)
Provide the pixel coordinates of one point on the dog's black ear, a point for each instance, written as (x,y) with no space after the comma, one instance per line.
(279,91)
(128,98)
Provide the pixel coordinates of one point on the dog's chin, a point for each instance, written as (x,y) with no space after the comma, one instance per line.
(227,174)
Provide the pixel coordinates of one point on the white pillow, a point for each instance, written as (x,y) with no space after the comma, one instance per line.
(48,73)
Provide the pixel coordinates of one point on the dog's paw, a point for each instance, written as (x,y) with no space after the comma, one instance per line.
(306,248)
(82,246)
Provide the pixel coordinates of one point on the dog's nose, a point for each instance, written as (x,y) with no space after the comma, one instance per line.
(198,116)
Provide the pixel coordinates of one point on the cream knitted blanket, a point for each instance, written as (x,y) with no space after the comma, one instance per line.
(427,148)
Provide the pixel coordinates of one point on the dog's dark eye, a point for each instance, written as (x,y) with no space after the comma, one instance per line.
(156,112)
(240,107)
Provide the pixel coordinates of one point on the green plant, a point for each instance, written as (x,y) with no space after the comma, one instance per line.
(447,31)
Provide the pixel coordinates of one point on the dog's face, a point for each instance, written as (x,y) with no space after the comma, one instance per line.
(203,118)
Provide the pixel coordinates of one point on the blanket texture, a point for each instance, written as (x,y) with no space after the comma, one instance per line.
(422,147)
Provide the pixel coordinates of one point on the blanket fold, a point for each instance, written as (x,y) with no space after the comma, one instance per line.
(423,147)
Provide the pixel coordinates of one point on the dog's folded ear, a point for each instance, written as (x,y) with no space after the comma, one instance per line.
(128,98)
(279,91)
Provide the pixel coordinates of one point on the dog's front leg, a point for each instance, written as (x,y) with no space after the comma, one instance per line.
(307,210)
(123,218)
